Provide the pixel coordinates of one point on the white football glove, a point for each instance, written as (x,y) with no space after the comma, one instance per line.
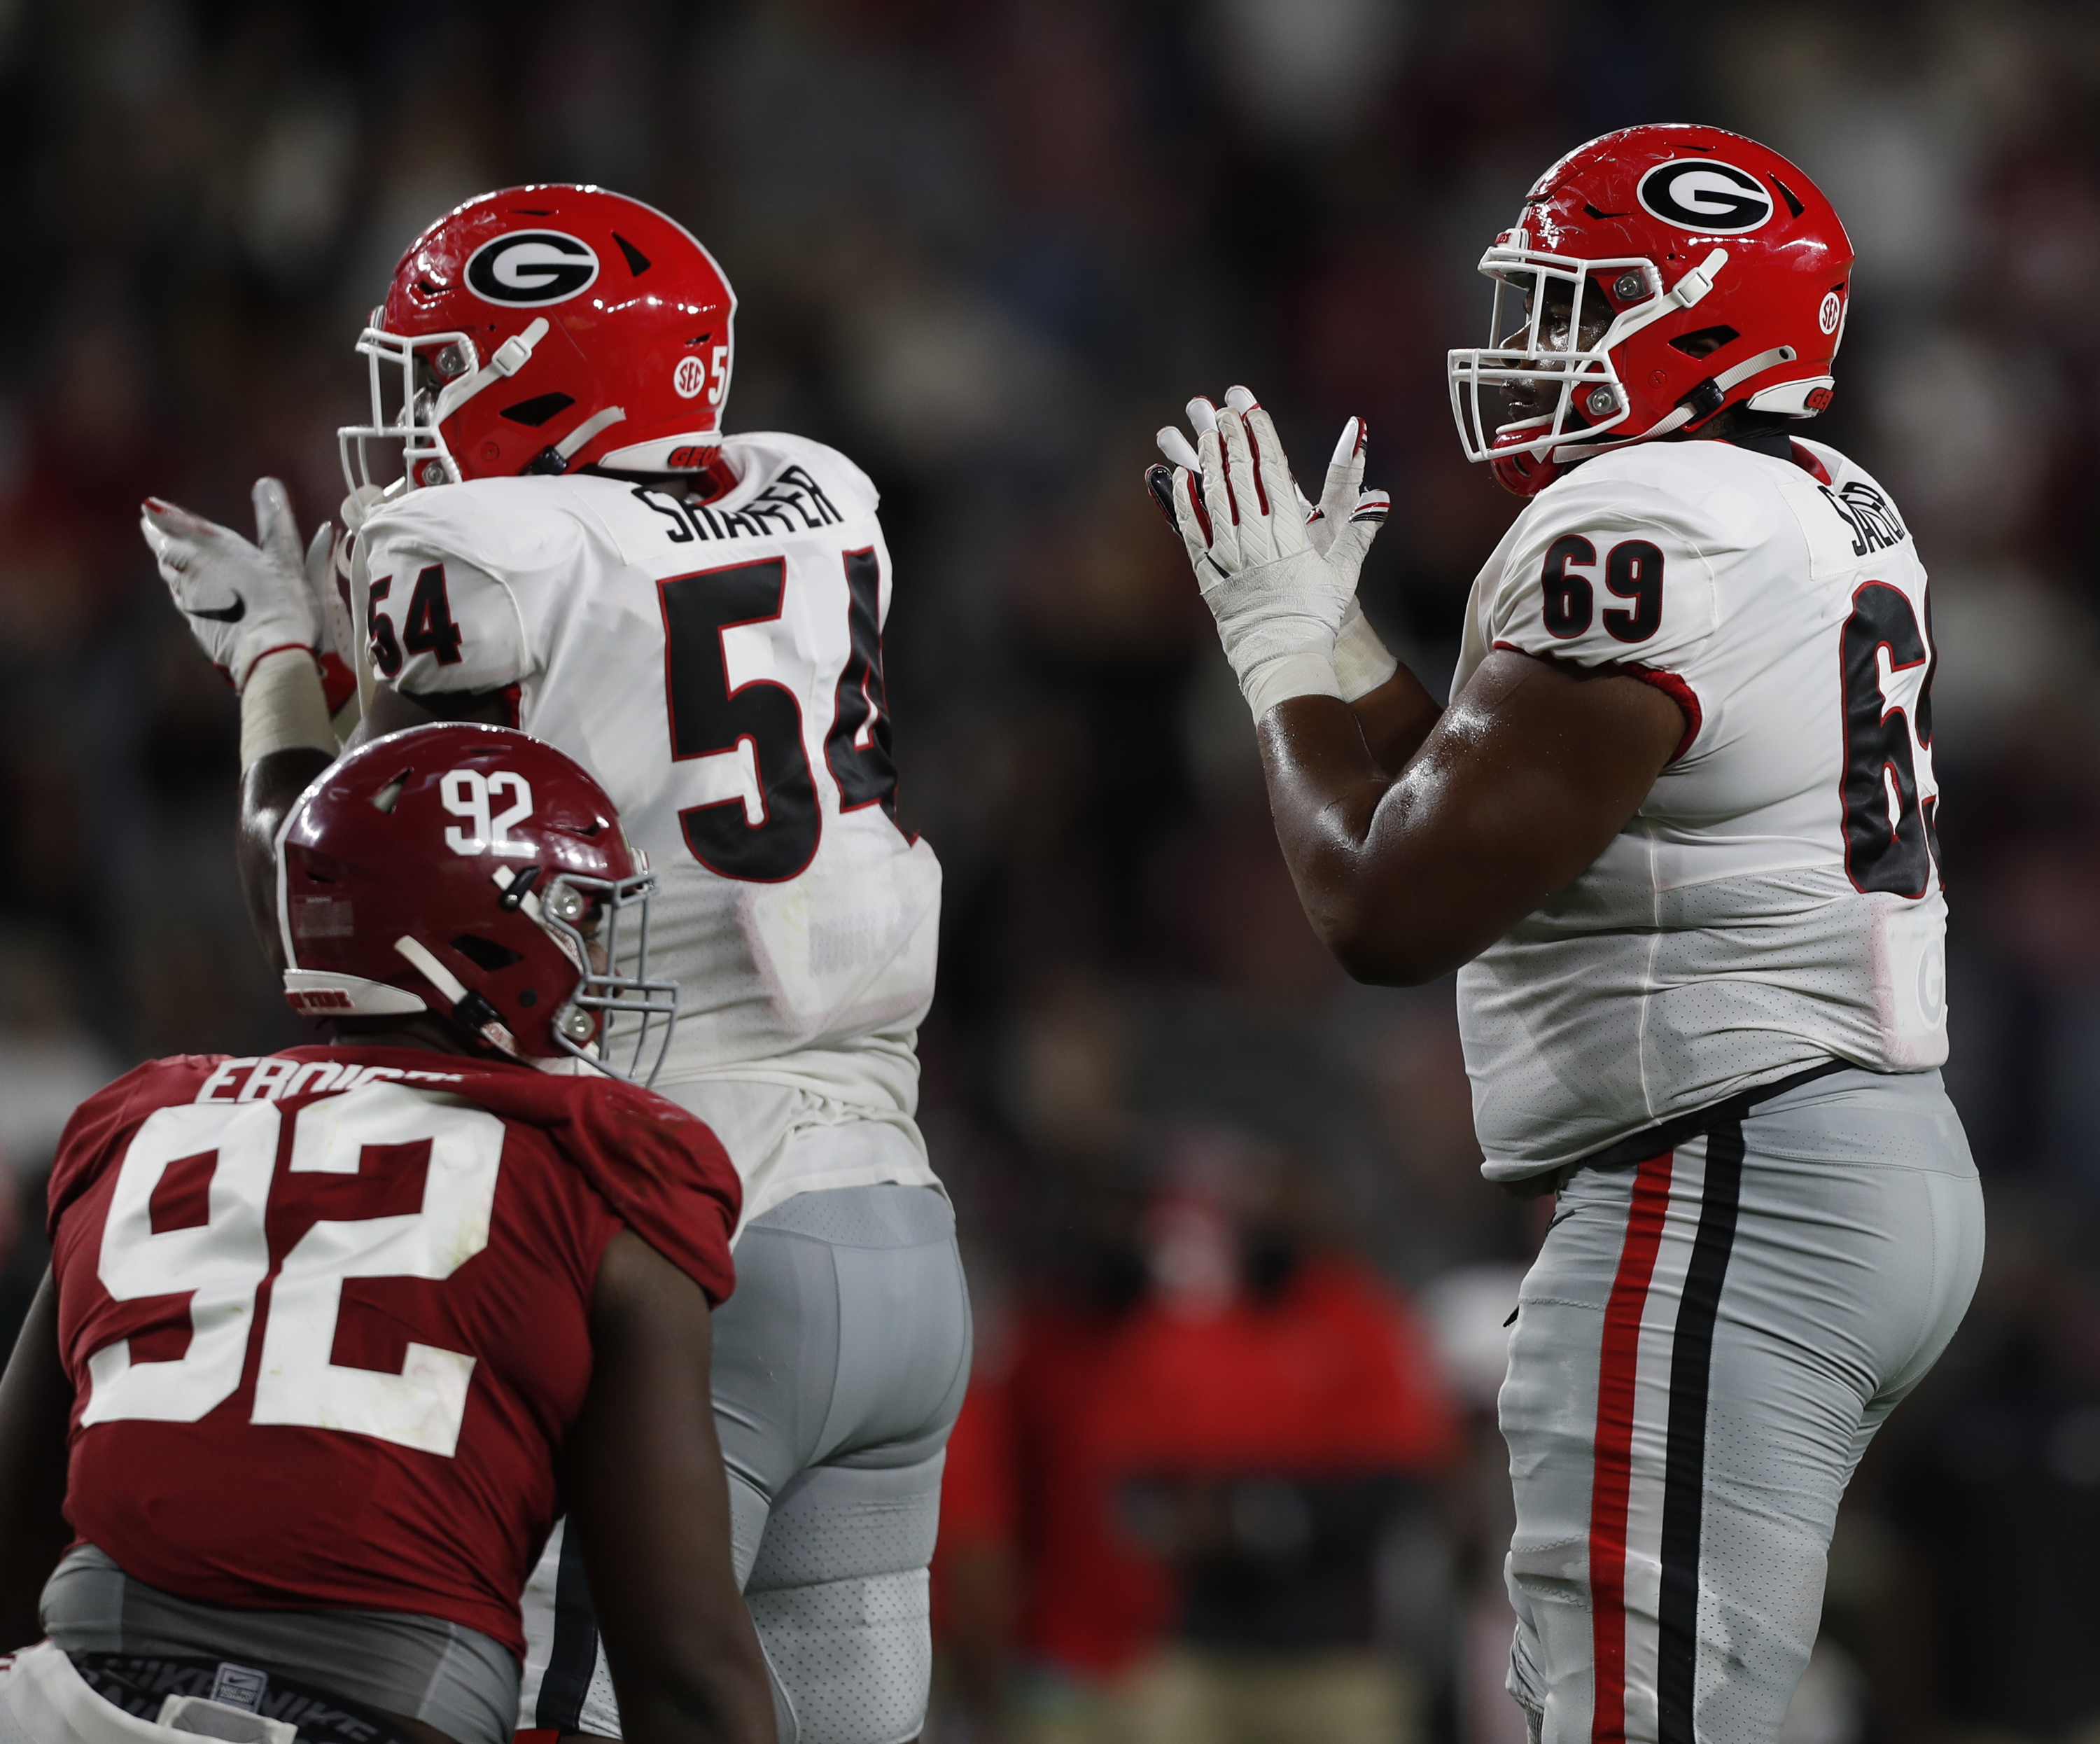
(1280,592)
(243,601)
(1347,512)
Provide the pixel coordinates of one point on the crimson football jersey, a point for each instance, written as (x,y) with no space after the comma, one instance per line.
(327,1315)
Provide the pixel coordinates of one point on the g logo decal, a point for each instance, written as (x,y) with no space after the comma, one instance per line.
(1706,196)
(530,266)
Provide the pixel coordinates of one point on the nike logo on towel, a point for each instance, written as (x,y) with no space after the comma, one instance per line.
(232,614)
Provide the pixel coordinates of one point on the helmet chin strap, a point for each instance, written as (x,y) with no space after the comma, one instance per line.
(556,458)
(1689,290)
(1703,401)
(467,1007)
(506,360)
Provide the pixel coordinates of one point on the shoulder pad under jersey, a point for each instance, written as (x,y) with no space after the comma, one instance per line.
(763,456)
(502,525)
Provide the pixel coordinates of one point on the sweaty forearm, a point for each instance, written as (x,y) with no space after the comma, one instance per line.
(286,740)
(270,786)
(1513,791)
(1395,719)
(1371,883)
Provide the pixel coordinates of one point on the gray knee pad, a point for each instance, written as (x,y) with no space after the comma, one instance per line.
(839,1595)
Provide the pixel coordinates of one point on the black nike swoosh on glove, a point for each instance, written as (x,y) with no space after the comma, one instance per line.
(1159,483)
(232,614)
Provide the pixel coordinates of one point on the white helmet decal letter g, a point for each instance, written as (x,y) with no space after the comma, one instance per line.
(1706,196)
(528,267)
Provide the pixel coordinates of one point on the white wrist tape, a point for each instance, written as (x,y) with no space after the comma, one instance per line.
(282,708)
(1277,681)
(1361,661)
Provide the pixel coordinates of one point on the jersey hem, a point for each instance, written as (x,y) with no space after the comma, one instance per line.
(1652,1140)
(777,1193)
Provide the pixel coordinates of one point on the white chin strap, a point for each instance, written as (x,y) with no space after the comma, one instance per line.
(1684,414)
(464,1007)
(505,361)
(567,449)
(1687,291)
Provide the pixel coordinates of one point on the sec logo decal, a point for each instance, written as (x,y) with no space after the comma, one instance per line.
(1711,198)
(1827,316)
(530,266)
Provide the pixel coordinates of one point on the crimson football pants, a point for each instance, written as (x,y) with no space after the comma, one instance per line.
(1712,1333)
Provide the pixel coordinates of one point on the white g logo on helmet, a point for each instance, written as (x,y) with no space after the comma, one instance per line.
(530,267)
(1706,196)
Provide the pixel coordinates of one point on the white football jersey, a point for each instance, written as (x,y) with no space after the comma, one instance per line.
(718,668)
(1776,901)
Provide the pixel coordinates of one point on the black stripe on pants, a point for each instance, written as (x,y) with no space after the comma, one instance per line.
(1683,1495)
(573,1655)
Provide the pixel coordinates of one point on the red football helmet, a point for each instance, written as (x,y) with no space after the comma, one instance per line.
(1701,269)
(542,328)
(471,872)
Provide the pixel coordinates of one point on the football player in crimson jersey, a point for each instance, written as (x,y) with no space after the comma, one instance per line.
(574,546)
(1674,830)
(326,1333)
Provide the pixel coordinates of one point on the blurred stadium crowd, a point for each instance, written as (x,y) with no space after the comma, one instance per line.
(1230,1471)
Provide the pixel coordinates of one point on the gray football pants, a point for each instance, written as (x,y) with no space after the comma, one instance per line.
(1712,1333)
(839,1365)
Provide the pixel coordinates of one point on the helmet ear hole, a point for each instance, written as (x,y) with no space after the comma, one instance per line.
(1705,343)
(486,953)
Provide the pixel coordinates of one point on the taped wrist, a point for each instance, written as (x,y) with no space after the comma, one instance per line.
(1361,661)
(282,708)
(1277,681)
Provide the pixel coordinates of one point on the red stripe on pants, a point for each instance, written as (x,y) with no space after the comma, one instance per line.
(1617,1369)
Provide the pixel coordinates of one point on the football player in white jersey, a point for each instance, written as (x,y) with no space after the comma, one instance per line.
(1675,829)
(572,546)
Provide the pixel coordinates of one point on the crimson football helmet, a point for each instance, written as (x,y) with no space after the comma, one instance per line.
(1702,270)
(471,872)
(538,328)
